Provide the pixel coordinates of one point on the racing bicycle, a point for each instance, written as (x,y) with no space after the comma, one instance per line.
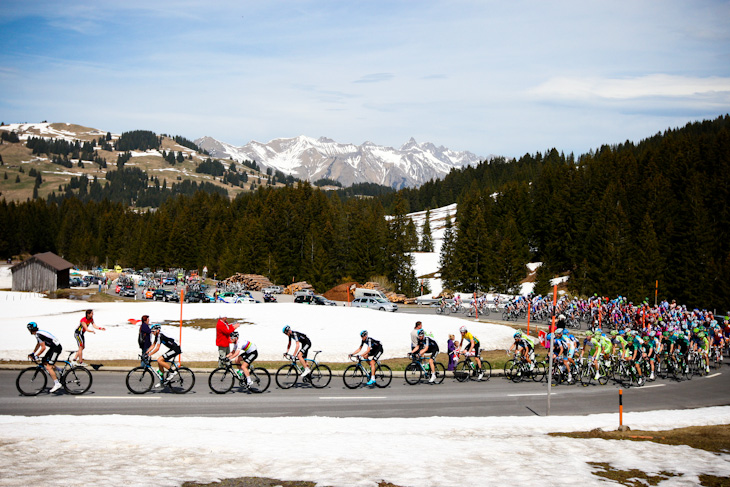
(358,373)
(319,376)
(419,368)
(141,379)
(75,379)
(221,380)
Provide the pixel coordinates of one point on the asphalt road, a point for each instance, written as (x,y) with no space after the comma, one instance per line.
(496,397)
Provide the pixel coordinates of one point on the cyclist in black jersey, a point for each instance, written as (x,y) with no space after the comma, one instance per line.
(372,353)
(301,349)
(163,361)
(427,345)
(46,341)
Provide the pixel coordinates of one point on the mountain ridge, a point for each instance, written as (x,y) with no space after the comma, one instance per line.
(310,158)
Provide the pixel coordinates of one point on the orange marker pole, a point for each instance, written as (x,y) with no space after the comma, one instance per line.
(555,303)
(620,407)
(528,317)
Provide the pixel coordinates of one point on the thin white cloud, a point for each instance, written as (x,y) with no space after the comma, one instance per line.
(655,85)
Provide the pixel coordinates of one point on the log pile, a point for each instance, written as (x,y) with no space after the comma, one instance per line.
(254,282)
(298,286)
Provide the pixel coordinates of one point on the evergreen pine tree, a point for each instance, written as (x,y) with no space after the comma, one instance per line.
(426,239)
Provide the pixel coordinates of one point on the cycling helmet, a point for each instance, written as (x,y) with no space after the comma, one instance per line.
(155,327)
(286,329)
(561,317)
(622,332)
(614,333)
(363,333)
(589,333)
(560,331)
(549,337)
(421,332)
(517,335)
(701,334)
(234,334)
(652,333)
(695,330)
(32,326)
(462,329)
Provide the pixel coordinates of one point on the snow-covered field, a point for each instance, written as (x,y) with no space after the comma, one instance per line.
(334,330)
(141,450)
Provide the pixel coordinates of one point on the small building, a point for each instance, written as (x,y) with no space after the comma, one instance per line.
(42,272)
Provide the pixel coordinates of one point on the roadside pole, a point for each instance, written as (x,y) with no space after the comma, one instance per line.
(182,300)
(656,293)
(529,305)
(550,350)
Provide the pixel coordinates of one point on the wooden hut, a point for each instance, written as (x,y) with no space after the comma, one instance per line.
(42,272)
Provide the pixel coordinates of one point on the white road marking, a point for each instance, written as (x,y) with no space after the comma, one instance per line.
(654,385)
(347,398)
(537,394)
(713,375)
(117,397)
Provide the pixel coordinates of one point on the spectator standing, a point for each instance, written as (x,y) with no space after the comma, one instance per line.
(414,334)
(452,348)
(143,338)
(223,331)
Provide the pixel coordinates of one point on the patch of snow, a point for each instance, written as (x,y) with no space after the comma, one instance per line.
(405,451)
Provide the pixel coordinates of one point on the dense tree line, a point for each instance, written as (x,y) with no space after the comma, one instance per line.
(616,220)
(290,233)
(189,144)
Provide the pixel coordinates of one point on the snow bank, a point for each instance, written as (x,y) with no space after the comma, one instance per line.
(335,330)
(127,450)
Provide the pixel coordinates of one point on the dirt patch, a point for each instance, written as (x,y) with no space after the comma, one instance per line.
(714,439)
(632,478)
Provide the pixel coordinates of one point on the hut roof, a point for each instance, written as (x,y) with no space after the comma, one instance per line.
(48,258)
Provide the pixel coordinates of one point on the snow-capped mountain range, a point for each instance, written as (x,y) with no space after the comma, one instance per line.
(313,159)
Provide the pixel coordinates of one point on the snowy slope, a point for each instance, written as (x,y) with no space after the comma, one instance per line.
(312,159)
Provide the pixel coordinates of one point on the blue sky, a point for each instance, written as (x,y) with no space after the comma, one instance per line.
(507,77)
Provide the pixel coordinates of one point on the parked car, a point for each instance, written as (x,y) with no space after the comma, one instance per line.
(128,291)
(169,281)
(316,300)
(304,292)
(174,296)
(78,282)
(272,290)
(374,303)
(161,295)
(196,297)
(149,293)
(93,279)
(236,298)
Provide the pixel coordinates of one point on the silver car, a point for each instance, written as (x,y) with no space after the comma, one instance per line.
(375,303)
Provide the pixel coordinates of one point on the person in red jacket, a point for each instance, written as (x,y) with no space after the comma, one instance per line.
(223,331)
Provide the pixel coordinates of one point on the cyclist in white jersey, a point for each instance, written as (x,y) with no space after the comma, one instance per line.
(242,353)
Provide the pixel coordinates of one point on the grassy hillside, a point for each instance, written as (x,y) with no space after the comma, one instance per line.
(18,161)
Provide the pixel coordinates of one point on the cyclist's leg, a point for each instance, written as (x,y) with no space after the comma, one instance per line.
(80,342)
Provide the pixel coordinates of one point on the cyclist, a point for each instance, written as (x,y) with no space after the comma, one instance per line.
(84,325)
(525,347)
(472,348)
(427,345)
(718,342)
(593,345)
(372,353)
(702,345)
(301,349)
(163,361)
(570,345)
(242,353)
(650,350)
(46,340)
(637,354)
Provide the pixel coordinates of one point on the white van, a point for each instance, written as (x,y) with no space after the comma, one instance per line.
(361,292)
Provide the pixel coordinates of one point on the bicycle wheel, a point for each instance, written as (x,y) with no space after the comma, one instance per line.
(440,372)
(139,380)
(586,376)
(413,373)
(383,376)
(31,381)
(517,373)
(260,380)
(486,370)
(538,373)
(604,375)
(183,381)
(505,316)
(76,380)
(321,375)
(221,380)
(661,369)
(287,376)
(508,367)
(353,377)
(461,371)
